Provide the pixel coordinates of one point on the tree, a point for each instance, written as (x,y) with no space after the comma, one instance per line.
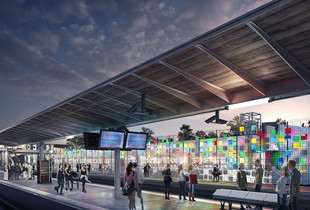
(212,134)
(281,121)
(234,125)
(76,142)
(150,133)
(185,132)
(201,134)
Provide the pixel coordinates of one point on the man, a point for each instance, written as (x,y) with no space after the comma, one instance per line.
(258,178)
(140,179)
(147,169)
(294,185)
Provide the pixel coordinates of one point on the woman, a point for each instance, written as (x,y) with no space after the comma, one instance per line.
(25,173)
(242,181)
(60,178)
(167,180)
(29,171)
(182,182)
(83,176)
(6,172)
(68,177)
(131,176)
(281,184)
(192,183)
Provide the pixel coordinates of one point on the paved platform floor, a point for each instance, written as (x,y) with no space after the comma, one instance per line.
(101,197)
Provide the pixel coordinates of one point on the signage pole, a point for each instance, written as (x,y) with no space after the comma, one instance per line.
(117,173)
(41,150)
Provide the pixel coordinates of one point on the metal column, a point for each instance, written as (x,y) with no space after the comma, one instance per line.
(117,173)
(41,150)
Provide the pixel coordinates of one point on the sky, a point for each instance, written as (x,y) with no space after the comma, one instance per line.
(52,50)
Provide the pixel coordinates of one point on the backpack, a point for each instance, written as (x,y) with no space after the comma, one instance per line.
(129,188)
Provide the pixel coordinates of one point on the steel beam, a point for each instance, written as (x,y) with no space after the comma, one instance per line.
(159,102)
(83,116)
(104,114)
(118,100)
(112,109)
(218,91)
(172,91)
(251,80)
(302,71)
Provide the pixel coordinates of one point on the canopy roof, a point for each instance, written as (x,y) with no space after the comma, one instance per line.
(264,53)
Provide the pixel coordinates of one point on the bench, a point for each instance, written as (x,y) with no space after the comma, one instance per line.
(254,198)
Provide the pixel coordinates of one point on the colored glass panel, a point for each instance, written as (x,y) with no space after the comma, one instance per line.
(253,140)
(288,137)
(304,137)
(197,138)
(253,147)
(241,129)
(210,149)
(230,154)
(253,127)
(273,132)
(260,133)
(296,145)
(241,160)
(205,154)
(296,138)
(281,160)
(288,131)
(302,161)
(273,139)
(220,143)
(281,139)
(241,142)
(220,149)
(201,144)
(224,136)
(230,142)
(241,154)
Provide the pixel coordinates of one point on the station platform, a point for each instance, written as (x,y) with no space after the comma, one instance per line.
(101,197)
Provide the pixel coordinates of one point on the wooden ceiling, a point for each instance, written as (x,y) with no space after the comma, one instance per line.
(264,53)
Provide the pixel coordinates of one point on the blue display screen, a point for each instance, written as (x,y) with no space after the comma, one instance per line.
(136,140)
(112,139)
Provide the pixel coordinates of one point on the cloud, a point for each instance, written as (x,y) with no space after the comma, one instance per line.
(45,40)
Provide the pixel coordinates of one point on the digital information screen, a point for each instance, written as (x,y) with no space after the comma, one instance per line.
(111,140)
(136,141)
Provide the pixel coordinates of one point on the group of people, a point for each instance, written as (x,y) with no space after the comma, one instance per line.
(294,190)
(65,177)
(19,171)
(79,167)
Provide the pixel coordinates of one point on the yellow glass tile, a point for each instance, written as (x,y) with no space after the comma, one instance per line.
(241,160)
(220,143)
(241,129)
(253,140)
(230,154)
(201,144)
(296,145)
(281,139)
(210,149)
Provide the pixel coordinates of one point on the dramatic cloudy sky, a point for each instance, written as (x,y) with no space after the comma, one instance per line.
(51,50)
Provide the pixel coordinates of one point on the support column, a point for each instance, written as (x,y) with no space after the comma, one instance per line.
(117,173)
(6,158)
(41,150)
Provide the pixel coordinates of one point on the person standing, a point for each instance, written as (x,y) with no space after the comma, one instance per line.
(88,167)
(216,174)
(60,178)
(182,182)
(77,167)
(192,182)
(68,177)
(281,184)
(167,180)
(83,176)
(140,179)
(6,172)
(25,173)
(258,178)
(242,181)
(10,169)
(147,169)
(29,170)
(33,171)
(294,185)
(131,176)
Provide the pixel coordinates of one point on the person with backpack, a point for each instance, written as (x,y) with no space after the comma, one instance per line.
(183,177)
(131,185)
(167,180)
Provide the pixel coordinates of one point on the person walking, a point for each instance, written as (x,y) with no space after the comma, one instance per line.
(294,185)
(167,180)
(281,184)
(242,182)
(182,182)
(131,176)
(140,178)
(60,178)
(24,170)
(192,182)
(83,176)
